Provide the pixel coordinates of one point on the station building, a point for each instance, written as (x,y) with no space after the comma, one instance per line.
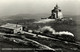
(11,28)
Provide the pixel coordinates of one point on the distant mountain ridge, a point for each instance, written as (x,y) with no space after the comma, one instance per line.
(35,16)
(24,16)
(32,16)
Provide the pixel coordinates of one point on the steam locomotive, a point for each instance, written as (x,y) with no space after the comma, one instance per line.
(65,36)
(62,37)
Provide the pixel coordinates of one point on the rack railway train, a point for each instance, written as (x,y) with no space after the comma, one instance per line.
(63,37)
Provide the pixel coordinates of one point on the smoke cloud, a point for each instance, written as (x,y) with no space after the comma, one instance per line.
(47,28)
(54,32)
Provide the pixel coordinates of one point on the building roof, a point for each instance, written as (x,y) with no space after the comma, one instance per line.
(11,26)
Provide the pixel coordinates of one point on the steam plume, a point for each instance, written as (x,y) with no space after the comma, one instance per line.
(54,32)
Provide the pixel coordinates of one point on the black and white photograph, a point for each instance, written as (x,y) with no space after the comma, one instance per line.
(39,25)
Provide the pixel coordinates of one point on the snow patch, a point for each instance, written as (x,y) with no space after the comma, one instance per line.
(45,21)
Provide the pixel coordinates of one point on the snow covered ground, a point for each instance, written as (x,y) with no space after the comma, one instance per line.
(45,21)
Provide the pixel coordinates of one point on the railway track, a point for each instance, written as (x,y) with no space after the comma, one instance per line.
(75,45)
(53,39)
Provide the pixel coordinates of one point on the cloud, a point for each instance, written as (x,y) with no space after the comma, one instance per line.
(11,7)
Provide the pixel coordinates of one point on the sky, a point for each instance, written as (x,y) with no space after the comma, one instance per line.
(13,7)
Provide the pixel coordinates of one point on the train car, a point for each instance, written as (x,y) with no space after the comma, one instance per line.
(64,36)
